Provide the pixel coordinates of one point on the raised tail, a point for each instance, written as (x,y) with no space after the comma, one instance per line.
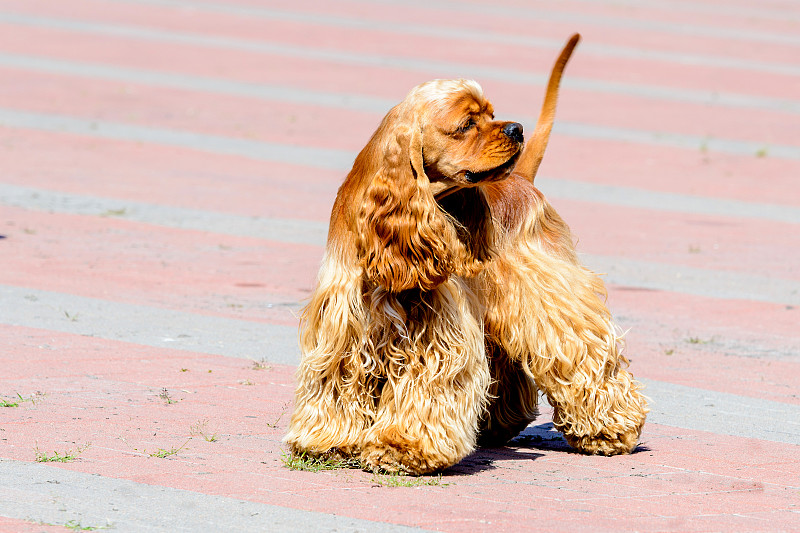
(533,152)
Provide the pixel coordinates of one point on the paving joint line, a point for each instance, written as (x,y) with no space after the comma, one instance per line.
(435,68)
(472,35)
(616,270)
(539,14)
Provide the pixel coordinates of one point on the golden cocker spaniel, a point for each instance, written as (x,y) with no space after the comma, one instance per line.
(450,294)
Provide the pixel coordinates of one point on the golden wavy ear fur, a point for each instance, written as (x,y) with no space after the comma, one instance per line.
(403,239)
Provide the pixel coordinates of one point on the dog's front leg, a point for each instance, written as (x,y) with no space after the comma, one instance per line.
(437,378)
(337,383)
(549,315)
(329,419)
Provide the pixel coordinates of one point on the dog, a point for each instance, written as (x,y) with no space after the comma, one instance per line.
(450,294)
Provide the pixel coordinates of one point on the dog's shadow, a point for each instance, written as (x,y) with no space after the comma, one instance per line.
(523,447)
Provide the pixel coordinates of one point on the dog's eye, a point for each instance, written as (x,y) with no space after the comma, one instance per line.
(465,127)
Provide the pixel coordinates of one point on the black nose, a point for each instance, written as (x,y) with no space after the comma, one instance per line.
(513,131)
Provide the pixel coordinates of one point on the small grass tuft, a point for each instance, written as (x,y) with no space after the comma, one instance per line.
(200,429)
(162,453)
(58,457)
(114,212)
(403,480)
(274,424)
(6,403)
(261,364)
(164,395)
(20,400)
(307,463)
(75,525)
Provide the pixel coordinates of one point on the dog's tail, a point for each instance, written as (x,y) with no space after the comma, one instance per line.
(533,152)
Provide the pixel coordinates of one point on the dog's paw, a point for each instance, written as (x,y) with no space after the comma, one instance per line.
(400,459)
(606,443)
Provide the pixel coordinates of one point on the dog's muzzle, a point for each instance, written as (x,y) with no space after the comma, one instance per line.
(513,131)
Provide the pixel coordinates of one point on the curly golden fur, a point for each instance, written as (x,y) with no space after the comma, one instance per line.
(450,295)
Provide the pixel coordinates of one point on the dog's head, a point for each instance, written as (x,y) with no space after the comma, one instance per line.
(411,231)
(413,204)
(461,144)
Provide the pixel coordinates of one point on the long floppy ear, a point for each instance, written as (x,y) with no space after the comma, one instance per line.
(404,240)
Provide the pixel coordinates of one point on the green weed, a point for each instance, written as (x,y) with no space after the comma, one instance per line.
(162,453)
(6,403)
(261,365)
(75,525)
(307,463)
(114,212)
(200,429)
(274,424)
(403,480)
(164,395)
(58,457)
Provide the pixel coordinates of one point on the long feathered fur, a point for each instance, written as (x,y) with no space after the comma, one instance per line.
(449,297)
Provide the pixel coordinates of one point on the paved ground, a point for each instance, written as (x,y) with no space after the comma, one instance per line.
(166,172)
